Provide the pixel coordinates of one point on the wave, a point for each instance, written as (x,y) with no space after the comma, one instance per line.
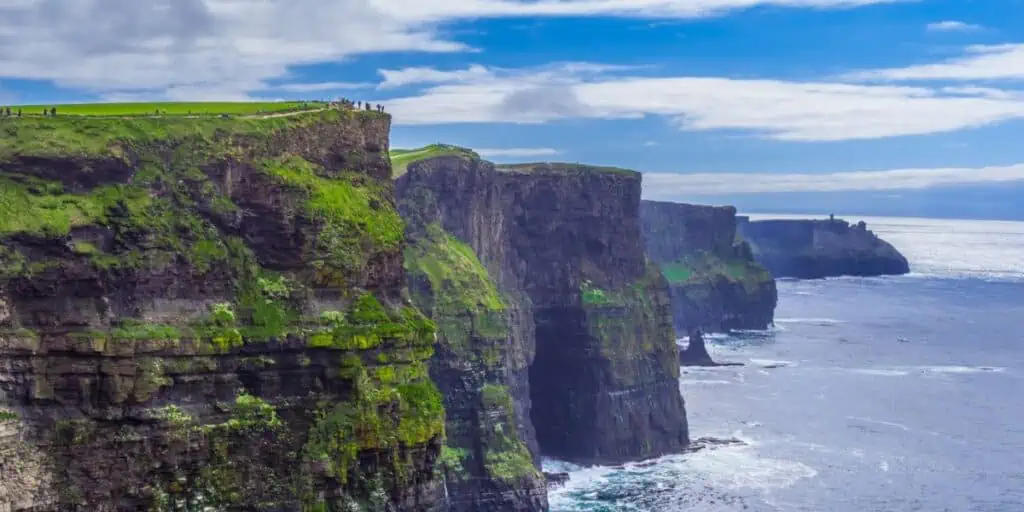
(902,371)
(809,321)
(719,477)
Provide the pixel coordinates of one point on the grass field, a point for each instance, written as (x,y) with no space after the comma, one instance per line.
(402,158)
(169,109)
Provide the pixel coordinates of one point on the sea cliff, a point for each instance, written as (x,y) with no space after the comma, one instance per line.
(813,249)
(591,367)
(209,312)
(714,281)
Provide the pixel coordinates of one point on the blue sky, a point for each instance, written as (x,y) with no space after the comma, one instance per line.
(860,106)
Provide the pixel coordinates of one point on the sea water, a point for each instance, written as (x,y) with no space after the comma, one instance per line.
(870,394)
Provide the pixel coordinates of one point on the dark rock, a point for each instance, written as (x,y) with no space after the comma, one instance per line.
(556,479)
(562,243)
(715,283)
(160,349)
(814,249)
(696,353)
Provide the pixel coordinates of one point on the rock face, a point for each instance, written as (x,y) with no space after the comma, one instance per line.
(591,362)
(813,249)
(715,283)
(209,313)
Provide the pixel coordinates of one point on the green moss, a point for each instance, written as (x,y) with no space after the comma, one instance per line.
(505,456)
(705,268)
(7,416)
(594,296)
(634,328)
(380,416)
(401,159)
(84,247)
(356,217)
(367,324)
(134,330)
(452,460)
(458,281)
(43,208)
(12,263)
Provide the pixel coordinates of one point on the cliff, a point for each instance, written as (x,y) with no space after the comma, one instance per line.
(813,249)
(209,312)
(714,281)
(591,365)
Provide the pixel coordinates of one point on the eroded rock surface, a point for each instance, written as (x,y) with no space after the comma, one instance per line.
(715,283)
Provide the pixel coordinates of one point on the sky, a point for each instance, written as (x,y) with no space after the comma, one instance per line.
(872,107)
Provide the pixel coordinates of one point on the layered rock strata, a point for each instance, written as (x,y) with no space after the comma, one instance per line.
(714,281)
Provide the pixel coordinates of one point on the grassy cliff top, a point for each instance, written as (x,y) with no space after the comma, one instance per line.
(167,108)
(563,167)
(95,132)
(401,159)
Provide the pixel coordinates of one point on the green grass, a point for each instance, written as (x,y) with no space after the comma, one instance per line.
(42,208)
(705,267)
(459,282)
(67,137)
(565,168)
(402,158)
(168,108)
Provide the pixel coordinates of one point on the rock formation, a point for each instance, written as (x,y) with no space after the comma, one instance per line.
(209,313)
(591,365)
(813,249)
(715,283)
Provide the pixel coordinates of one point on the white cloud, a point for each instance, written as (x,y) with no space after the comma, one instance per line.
(516,152)
(422,75)
(795,111)
(953,26)
(666,185)
(318,86)
(650,144)
(980,62)
(226,48)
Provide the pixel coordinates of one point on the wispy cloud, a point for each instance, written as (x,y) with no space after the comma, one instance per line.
(319,86)
(516,152)
(953,26)
(226,48)
(667,185)
(979,62)
(775,109)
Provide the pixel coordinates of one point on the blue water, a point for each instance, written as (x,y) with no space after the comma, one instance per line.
(890,394)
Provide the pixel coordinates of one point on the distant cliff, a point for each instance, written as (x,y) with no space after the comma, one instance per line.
(715,283)
(591,363)
(813,249)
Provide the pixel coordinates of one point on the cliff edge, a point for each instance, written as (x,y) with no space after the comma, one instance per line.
(209,312)
(814,249)
(715,283)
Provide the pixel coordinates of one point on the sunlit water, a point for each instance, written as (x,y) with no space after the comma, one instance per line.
(886,394)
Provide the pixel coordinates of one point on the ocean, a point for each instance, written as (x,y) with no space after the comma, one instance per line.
(870,394)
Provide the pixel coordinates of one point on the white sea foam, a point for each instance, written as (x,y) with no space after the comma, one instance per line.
(702,382)
(880,422)
(881,372)
(772,363)
(809,321)
(960,369)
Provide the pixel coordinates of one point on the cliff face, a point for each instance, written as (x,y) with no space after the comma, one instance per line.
(714,281)
(209,313)
(813,249)
(592,360)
